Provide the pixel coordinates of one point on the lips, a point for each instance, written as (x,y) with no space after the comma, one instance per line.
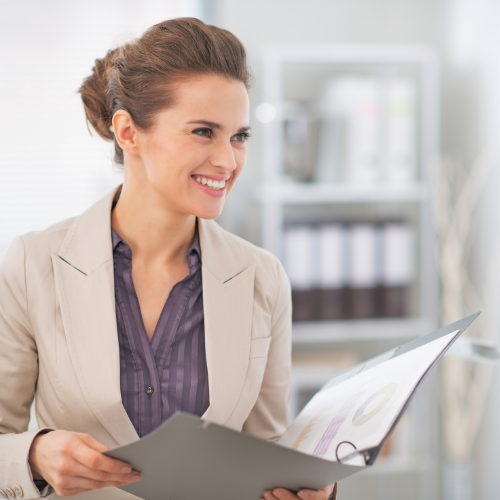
(211,183)
(216,191)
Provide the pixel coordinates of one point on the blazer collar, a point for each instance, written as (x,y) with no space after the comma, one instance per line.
(88,244)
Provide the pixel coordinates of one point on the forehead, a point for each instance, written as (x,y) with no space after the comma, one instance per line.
(212,94)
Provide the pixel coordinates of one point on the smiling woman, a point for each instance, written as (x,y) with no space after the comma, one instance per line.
(143,306)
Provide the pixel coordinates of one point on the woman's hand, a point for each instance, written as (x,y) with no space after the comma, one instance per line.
(282,494)
(73,463)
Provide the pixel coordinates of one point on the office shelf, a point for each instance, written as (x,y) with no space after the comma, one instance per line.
(315,193)
(316,332)
(280,202)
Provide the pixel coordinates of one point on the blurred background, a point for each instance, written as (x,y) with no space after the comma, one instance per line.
(373,174)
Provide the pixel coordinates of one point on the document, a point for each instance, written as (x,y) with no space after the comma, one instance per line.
(340,432)
(359,412)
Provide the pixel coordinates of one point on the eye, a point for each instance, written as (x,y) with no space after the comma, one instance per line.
(204,132)
(243,137)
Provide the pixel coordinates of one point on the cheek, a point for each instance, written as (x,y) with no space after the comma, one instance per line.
(172,160)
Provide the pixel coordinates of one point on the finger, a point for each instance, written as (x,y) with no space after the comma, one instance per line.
(70,484)
(97,461)
(314,495)
(92,484)
(283,494)
(329,489)
(75,468)
(268,495)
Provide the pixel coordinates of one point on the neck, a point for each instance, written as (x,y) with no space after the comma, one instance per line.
(156,233)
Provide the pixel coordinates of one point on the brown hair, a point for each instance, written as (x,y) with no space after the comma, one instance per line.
(140,76)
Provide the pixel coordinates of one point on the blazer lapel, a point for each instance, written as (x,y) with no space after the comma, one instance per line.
(85,287)
(228,294)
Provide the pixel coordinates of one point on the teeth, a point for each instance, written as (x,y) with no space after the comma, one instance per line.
(216,185)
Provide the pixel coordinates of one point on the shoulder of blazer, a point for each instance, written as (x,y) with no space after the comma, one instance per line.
(55,239)
(40,245)
(49,239)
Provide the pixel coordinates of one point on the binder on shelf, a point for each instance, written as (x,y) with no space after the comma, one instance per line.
(364,271)
(301,267)
(398,268)
(332,241)
(340,432)
(356,271)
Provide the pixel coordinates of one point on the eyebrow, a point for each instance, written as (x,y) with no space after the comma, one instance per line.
(217,125)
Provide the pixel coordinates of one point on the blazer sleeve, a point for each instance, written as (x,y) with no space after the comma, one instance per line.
(269,417)
(18,375)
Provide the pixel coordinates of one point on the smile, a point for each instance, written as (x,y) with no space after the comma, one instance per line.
(212,184)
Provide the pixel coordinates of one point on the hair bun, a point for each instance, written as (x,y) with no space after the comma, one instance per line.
(94,92)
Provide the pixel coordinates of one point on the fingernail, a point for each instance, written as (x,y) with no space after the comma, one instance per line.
(279,493)
(126,469)
(304,494)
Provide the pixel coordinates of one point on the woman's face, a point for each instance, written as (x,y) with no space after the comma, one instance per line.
(197,149)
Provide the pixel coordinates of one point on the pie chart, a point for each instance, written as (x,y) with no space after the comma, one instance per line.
(360,417)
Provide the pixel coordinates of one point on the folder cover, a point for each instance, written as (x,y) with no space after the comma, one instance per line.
(340,432)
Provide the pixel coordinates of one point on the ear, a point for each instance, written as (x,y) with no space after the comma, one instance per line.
(125,132)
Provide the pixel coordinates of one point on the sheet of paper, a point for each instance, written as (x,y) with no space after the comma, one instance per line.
(358,413)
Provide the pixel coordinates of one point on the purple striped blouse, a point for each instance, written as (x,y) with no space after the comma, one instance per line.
(168,373)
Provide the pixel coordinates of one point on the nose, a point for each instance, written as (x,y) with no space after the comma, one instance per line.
(223,156)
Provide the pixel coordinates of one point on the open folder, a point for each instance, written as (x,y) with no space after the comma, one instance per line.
(340,432)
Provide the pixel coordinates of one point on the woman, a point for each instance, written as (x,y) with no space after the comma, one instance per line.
(142,305)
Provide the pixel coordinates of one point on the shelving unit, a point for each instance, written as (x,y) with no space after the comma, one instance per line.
(323,332)
(274,194)
(309,194)
(276,197)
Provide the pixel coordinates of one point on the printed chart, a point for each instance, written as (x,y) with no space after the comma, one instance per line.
(359,412)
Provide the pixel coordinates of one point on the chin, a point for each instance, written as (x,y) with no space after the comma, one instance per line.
(208,213)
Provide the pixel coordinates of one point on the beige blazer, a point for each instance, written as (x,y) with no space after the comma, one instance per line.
(59,343)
